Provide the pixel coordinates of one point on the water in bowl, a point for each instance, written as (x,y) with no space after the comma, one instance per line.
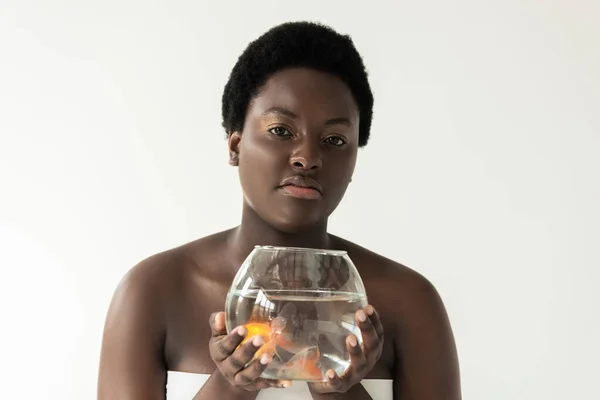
(304,330)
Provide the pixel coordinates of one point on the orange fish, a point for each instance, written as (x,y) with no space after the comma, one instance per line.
(303,365)
(269,331)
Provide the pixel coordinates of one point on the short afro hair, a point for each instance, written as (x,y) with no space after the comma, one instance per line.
(296,44)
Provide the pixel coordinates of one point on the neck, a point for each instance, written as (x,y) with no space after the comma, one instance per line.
(254,231)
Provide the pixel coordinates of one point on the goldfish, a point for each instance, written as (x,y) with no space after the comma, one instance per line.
(269,331)
(303,366)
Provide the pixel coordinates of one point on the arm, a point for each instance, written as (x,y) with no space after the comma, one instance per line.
(425,349)
(131,360)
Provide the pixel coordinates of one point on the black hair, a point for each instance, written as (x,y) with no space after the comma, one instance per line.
(296,44)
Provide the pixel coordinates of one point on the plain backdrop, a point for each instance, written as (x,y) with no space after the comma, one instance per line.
(482,172)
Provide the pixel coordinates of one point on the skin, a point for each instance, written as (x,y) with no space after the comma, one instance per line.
(166,312)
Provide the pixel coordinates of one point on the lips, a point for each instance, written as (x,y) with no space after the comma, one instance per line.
(302,187)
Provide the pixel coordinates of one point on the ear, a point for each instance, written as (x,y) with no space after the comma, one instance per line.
(233,143)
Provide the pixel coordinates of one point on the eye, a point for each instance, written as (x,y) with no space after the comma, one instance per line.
(280,131)
(335,141)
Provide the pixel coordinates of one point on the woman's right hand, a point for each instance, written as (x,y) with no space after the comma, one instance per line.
(231,361)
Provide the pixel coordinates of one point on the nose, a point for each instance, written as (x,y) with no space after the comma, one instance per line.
(307,157)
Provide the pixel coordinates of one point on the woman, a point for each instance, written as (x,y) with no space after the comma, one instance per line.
(296,109)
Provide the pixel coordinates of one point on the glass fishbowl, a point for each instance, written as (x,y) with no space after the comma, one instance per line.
(302,302)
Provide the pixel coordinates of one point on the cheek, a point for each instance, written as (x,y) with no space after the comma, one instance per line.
(259,164)
(338,179)
(350,168)
(341,168)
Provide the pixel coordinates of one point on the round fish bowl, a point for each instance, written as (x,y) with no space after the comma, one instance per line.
(302,302)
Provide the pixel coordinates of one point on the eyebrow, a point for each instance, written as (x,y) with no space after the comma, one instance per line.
(287,113)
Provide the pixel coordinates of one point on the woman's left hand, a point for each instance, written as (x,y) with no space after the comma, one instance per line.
(362,359)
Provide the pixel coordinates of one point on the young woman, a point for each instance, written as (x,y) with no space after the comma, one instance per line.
(296,108)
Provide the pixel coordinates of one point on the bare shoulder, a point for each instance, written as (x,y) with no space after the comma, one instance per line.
(416,320)
(151,277)
(391,279)
(132,359)
(152,287)
(161,273)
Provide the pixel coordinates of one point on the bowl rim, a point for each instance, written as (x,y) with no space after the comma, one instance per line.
(302,250)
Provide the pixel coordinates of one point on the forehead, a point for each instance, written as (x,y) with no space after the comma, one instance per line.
(307,92)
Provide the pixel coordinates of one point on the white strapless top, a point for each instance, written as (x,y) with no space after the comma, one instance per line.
(185,385)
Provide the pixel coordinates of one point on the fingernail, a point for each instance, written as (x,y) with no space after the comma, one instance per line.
(242,331)
(330,374)
(352,341)
(258,341)
(361,316)
(286,384)
(265,359)
(370,310)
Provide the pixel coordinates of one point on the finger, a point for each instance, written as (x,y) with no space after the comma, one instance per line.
(358,361)
(375,350)
(217,324)
(282,384)
(367,331)
(375,320)
(242,356)
(334,381)
(222,348)
(252,372)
